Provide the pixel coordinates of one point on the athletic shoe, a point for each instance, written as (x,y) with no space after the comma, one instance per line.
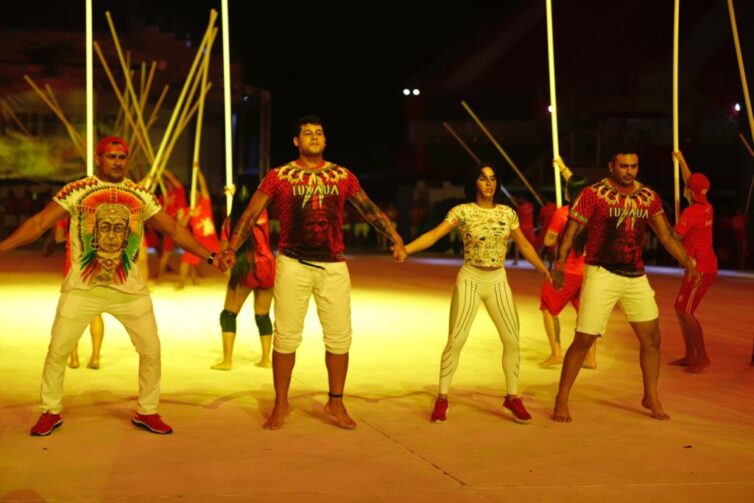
(152,422)
(46,423)
(516,406)
(441,408)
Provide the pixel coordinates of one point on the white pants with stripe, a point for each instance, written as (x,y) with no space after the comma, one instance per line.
(75,311)
(474,286)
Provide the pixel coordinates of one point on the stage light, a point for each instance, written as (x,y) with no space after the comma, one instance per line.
(406,92)
(737,107)
(415,92)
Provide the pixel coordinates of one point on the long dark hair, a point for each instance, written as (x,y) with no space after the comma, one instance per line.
(472,176)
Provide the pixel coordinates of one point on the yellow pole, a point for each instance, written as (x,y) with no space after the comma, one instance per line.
(198,133)
(124,105)
(553,101)
(676,142)
(502,152)
(227,103)
(182,118)
(181,97)
(89,92)
(14,118)
(129,85)
(741,70)
(74,135)
(751,185)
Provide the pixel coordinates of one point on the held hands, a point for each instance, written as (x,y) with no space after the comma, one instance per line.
(557,276)
(226,260)
(399,252)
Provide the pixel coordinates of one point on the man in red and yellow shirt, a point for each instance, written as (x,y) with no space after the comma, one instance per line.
(310,194)
(615,212)
(694,230)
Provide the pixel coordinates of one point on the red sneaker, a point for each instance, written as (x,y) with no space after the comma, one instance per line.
(516,406)
(441,408)
(152,422)
(46,423)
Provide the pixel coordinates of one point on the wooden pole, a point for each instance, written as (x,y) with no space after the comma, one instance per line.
(502,152)
(553,102)
(476,159)
(741,69)
(227,104)
(181,97)
(676,142)
(89,145)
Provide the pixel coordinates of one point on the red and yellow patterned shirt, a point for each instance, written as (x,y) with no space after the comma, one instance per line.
(310,203)
(617,223)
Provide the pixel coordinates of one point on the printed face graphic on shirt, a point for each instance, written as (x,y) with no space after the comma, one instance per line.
(315,228)
(110,233)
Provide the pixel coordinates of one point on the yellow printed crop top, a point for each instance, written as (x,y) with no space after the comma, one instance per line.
(485,232)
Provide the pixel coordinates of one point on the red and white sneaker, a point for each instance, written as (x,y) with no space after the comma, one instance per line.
(46,423)
(516,406)
(152,422)
(440,410)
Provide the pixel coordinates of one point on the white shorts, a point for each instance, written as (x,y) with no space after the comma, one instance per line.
(295,283)
(602,289)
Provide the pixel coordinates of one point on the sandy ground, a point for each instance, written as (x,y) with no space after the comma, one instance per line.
(612,451)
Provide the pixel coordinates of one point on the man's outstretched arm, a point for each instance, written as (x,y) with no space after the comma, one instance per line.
(34,227)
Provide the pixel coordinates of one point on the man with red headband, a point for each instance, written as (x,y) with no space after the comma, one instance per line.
(107,214)
(694,231)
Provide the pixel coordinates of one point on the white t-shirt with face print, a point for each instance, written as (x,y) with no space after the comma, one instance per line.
(485,232)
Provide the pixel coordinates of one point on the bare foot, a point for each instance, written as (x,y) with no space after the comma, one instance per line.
(680,362)
(551,360)
(655,408)
(589,364)
(265,363)
(277,417)
(73,363)
(93,363)
(337,413)
(561,414)
(698,366)
(223,365)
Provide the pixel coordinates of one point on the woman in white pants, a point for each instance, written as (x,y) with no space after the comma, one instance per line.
(486,227)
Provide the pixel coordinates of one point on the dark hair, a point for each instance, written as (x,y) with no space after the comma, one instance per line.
(624,150)
(472,176)
(306,119)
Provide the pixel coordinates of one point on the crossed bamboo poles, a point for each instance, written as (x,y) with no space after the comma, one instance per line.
(132,121)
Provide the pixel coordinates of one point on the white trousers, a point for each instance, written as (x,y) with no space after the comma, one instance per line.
(295,283)
(474,286)
(74,313)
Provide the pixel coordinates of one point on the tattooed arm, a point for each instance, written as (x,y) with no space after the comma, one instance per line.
(244,227)
(379,221)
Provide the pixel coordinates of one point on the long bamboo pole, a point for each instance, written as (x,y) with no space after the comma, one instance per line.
(121,99)
(199,120)
(9,111)
(553,102)
(181,97)
(179,130)
(189,103)
(129,85)
(676,142)
(741,69)
(68,124)
(476,159)
(502,152)
(89,92)
(229,187)
(72,133)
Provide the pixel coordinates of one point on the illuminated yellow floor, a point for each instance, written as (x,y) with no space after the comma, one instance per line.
(612,450)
